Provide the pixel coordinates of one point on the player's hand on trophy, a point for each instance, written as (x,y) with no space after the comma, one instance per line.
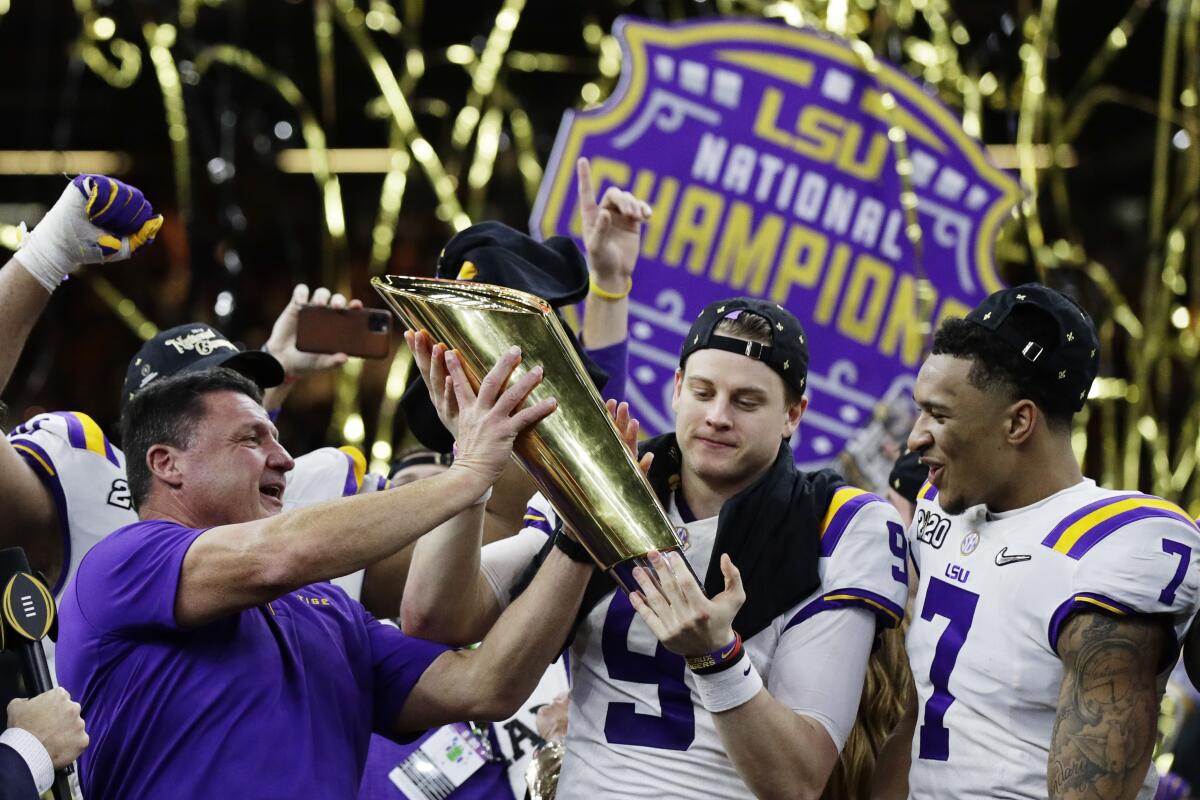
(612,231)
(678,613)
(430,359)
(96,219)
(490,420)
(282,343)
(628,428)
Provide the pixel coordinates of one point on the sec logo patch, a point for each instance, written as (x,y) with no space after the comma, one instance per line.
(969,543)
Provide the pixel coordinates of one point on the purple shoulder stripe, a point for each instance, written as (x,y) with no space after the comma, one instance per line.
(1082,601)
(537,520)
(1069,520)
(36,456)
(888,613)
(75,432)
(842,516)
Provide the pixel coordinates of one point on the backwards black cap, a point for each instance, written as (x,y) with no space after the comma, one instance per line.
(492,252)
(787,353)
(195,347)
(1068,360)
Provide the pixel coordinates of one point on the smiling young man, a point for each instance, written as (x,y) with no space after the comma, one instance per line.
(210,654)
(822,564)
(1049,609)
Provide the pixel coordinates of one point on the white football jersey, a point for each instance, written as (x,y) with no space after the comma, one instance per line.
(329,473)
(636,728)
(995,590)
(85,473)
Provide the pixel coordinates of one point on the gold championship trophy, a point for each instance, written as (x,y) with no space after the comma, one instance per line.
(575,456)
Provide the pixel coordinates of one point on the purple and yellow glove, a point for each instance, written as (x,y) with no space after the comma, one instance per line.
(97,219)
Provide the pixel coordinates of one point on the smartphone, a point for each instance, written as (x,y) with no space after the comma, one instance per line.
(362,332)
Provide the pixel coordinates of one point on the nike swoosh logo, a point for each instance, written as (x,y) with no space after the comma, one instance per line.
(1003,557)
(747,672)
(725,655)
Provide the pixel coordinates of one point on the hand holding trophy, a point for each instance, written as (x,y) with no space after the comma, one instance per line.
(577,457)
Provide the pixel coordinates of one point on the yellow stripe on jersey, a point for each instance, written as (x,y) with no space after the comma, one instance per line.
(360,464)
(49,469)
(1095,602)
(1076,531)
(93,436)
(840,498)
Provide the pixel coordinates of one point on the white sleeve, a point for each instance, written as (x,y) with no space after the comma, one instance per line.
(327,473)
(504,561)
(820,665)
(34,754)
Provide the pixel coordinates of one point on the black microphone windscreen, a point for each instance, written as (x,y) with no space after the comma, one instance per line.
(12,561)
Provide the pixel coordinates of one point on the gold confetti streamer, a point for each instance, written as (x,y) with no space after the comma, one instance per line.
(160,38)
(314,140)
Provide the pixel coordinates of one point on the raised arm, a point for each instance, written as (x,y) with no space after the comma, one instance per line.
(446,598)
(95,219)
(282,343)
(612,236)
(1107,707)
(492,681)
(233,567)
(22,301)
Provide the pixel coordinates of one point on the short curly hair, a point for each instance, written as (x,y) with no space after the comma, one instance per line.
(996,366)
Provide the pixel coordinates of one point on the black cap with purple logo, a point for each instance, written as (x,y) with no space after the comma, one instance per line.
(195,347)
(1068,359)
(787,353)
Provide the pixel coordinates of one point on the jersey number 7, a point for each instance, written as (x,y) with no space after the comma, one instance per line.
(957,605)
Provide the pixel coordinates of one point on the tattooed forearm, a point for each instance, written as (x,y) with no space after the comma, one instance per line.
(1107,707)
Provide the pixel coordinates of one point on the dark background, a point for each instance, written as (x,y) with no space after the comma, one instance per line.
(273,222)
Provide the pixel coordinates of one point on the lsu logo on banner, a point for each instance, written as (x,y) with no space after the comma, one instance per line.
(764,152)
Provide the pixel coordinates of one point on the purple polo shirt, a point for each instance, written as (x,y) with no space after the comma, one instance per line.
(277,701)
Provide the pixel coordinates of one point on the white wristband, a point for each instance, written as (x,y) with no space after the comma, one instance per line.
(34,753)
(729,688)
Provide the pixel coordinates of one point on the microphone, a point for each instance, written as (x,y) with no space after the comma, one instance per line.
(27,615)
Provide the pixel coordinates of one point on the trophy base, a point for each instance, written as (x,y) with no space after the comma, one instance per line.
(622,572)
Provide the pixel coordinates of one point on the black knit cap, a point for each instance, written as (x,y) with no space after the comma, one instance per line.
(1069,361)
(787,354)
(494,253)
(195,347)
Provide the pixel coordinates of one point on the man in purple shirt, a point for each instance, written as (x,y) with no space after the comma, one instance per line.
(210,657)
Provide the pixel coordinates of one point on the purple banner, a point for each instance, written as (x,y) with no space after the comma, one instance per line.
(764,152)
